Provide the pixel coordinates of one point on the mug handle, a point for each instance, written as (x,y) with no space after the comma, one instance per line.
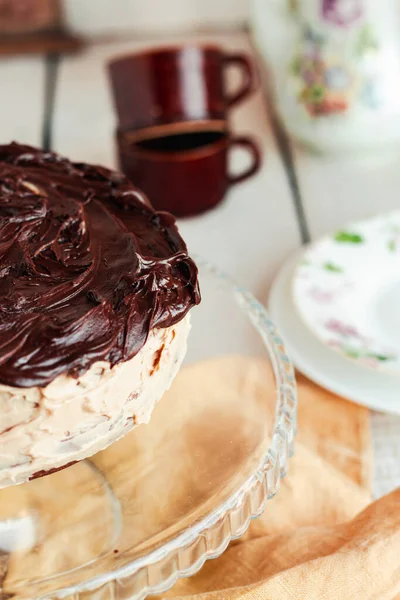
(248,144)
(248,85)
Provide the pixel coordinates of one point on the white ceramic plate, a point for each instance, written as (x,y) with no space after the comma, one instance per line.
(332,371)
(346,288)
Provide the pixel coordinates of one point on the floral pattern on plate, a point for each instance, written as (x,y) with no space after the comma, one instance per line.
(346,289)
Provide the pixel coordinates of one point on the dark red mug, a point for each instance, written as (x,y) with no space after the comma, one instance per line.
(185,173)
(164,86)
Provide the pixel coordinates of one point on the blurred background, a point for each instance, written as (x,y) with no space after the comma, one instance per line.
(108,17)
(104,17)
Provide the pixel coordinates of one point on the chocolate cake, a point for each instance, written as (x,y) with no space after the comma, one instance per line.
(95,290)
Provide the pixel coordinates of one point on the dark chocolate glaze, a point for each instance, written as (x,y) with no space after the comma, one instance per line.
(87,267)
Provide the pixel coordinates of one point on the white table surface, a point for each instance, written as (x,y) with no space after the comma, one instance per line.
(257,227)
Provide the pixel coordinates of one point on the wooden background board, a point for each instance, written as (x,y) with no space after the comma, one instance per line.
(22,99)
(342,189)
(145,17)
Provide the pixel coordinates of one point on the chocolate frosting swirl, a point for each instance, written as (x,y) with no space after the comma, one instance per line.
(87,267)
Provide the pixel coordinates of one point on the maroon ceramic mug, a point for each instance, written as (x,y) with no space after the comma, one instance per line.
(170,85)
(185,173)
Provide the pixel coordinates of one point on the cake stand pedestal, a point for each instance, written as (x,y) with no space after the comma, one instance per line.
(157,504)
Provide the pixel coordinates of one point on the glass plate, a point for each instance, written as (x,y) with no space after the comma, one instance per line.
(168,496)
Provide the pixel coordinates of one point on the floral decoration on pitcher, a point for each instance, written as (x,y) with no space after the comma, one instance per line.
(324,88)
(342,13)
(328,69)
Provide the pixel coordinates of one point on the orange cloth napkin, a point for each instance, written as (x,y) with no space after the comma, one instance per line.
(319,538)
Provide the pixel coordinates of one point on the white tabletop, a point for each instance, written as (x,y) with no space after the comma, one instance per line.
(268,208)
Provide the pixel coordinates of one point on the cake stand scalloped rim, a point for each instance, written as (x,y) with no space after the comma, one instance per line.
(249,501)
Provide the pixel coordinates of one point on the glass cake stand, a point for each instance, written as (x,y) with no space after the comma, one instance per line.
(170,495)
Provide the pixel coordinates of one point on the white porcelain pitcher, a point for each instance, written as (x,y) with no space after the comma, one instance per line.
(335,69)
